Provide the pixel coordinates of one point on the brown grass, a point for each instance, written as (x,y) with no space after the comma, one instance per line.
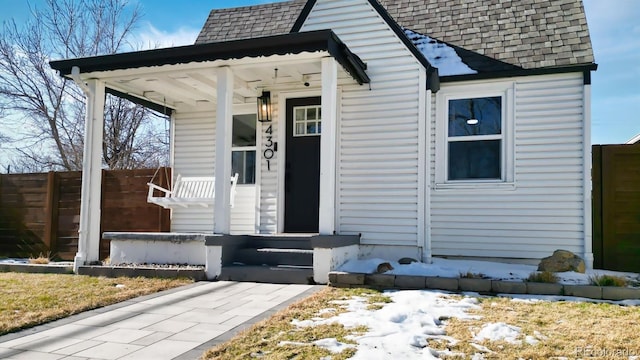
(566,328)
(41,259)
(30,299)
(608,280)
(263,339)
(471,275)
(543,277)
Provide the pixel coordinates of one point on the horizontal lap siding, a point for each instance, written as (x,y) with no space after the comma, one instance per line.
(545,211)
(378,131)
(194,155)
(269,173)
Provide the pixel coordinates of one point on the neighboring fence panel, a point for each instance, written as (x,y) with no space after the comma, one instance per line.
(616,207)
(40,213)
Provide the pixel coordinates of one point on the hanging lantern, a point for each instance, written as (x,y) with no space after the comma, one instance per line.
(264,107)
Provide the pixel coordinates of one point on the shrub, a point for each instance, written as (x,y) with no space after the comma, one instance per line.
(41,259)
(543,277)
(608,280)
(471,275)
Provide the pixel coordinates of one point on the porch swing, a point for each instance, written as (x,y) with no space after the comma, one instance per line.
(187,191)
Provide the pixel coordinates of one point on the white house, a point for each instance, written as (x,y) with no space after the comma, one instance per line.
(427,127)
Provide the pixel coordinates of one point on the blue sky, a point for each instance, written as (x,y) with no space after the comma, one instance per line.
(614,26)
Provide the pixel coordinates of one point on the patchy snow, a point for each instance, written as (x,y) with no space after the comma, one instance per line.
(402,329)
(439,54)
(499,331)
(487,269)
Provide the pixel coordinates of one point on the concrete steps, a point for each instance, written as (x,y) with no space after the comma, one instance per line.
(281,259)
(268,274)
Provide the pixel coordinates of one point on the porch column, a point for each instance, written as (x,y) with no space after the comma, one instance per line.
(89,229)
(224,125)
(326,223)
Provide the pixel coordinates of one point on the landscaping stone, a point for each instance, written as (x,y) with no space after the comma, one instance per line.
(561,261)
(544,288)
(508,287)
(333,278)
(410,282)
(587,291)
(383,267)
(407,260)
(350,278)
(620,293)
(380,280)
(477,285)
(442,283)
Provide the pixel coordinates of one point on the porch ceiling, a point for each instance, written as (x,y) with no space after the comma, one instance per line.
(185,77)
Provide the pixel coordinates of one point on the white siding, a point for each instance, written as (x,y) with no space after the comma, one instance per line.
(545,210)
(269,174)
(194,155)
(378,150)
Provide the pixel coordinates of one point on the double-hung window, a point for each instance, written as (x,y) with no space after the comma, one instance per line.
(474,138)
(243,150)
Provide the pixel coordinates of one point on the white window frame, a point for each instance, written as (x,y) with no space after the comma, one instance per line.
(505,90)
(248,148)
(318,121)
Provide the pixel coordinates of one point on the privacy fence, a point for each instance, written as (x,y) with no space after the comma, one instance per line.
(40,213)
(616,207)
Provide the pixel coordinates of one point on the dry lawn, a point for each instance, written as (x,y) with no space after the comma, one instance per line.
(570,330)
(31,299)
(567,330)
(263,339)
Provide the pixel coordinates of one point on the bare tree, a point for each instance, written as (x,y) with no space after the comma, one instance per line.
(49,109)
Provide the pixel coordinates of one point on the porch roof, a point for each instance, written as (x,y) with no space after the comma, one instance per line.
(148,76)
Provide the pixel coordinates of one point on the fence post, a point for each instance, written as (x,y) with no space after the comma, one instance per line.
(164,215)
(596,206)
(51,211)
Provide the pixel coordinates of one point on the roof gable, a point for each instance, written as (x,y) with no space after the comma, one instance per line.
(528,34)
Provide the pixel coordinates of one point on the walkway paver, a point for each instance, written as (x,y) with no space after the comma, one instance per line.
(175,324)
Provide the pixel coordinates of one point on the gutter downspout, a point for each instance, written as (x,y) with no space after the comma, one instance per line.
(586,176)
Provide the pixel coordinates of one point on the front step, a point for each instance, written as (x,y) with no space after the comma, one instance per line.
(268,274)
(274,256)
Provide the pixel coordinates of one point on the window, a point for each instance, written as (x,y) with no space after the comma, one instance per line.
(474,138)
(307,120)
(474,142)
(243,151)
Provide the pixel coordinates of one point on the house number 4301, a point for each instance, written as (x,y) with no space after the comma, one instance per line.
(270,147)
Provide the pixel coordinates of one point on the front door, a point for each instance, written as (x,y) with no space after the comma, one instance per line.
(302,165)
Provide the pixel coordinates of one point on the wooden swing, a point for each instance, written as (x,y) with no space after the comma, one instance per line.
(188,191)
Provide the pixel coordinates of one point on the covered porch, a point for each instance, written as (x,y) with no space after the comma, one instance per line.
(214,79)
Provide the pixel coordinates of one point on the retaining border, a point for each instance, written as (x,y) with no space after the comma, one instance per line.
(482,286)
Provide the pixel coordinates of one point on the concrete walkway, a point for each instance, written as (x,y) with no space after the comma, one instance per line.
(179,323)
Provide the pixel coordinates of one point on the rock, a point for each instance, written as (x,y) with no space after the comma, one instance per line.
(407,260)
(562,260)
(383,267)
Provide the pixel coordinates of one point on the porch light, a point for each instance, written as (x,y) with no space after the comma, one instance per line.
(472,122)
(264,107)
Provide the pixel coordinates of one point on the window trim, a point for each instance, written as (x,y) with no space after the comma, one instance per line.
(248,111)
(505,90)
(317,121)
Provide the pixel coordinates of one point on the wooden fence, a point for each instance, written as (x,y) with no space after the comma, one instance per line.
(40,213)
(616,207)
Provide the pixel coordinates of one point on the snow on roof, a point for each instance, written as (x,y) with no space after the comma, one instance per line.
(439,54)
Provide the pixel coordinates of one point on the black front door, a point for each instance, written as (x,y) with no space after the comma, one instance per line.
(302,165)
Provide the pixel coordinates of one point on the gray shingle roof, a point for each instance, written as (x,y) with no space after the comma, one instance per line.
(525,33)
(250,21)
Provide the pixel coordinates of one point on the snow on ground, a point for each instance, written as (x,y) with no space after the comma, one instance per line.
(488,269)
(439,54)
(401,329)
